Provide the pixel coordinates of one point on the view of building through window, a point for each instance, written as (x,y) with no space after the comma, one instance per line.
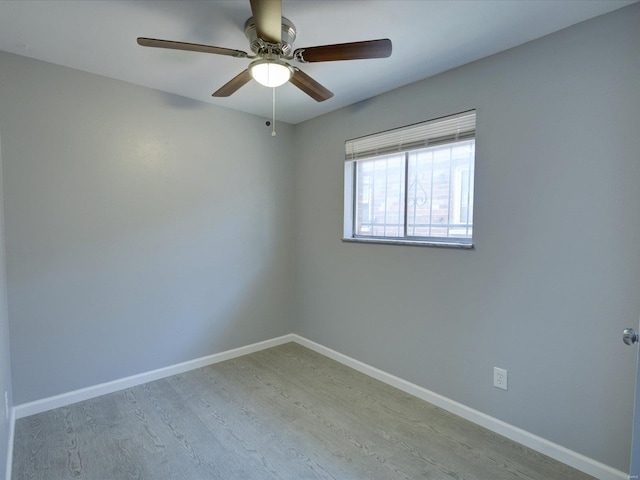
(417,194)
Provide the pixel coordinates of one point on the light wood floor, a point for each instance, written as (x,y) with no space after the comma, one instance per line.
(282,413)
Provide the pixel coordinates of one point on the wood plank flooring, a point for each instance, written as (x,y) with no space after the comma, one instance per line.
(282,413)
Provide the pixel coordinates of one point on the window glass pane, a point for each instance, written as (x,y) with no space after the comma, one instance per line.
(379,202)
(440,191)
(420,186)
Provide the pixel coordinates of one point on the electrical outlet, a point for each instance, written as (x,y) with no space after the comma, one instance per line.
(500,378)
(6,404)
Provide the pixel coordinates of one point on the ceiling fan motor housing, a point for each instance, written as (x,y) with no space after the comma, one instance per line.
(260,46)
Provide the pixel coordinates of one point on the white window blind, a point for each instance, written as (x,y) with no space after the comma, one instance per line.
(461,126)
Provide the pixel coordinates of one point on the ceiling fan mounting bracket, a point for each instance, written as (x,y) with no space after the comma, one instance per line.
(298,55)
(259,46)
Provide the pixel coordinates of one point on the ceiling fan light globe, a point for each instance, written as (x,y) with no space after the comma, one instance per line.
(270,73)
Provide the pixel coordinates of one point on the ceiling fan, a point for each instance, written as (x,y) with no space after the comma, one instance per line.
(271,36)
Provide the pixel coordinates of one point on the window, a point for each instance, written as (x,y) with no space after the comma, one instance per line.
(413,184)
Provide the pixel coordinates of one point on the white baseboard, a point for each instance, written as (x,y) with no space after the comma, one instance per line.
(553,450)
(38,406)
(12,429)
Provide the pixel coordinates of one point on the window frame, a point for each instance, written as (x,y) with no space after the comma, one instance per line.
(350,192)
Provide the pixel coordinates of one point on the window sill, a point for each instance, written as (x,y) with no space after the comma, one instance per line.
(412,243)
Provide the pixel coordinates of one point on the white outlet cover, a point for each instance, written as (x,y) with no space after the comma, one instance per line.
(500,378)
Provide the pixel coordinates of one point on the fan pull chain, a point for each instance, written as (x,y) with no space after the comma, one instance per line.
(273,114)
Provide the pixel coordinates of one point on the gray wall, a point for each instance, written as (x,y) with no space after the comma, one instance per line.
(5,361)
(142,229)
(555,274)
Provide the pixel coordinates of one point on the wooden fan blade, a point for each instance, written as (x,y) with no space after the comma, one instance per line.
(309,86)
(191,47)
(233,85)
(345,51)
(267,14)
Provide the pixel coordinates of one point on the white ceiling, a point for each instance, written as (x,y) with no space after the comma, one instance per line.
(429,37)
